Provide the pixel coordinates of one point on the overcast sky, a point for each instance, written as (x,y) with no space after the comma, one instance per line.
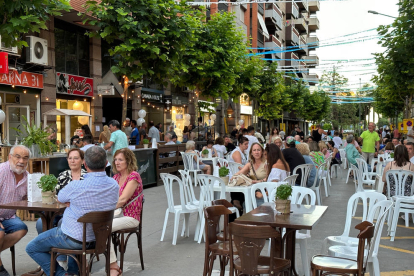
(338,18)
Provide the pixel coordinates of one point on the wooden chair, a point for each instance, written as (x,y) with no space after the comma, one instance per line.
(249,241)
(13,257)
(322,265)
(226,204)
(214,248)
(102,228)
(118,240)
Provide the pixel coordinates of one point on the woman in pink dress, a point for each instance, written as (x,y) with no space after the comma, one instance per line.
(125,166)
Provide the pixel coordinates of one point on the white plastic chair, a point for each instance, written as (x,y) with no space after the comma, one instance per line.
(188,187)
(291,180)
(382,209)
(368,201)
(403,203)
(207,183)
(234,167)
(350,169)
(328,162)
(305,170)
(217,164)
(185,206)
(263,187)
(335,167)
(317,184)
(193,163)
(324,175)
(366,175)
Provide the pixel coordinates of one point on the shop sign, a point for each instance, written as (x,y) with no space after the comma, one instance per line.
(74,85)
(151,96)
(248,110)
(25,79)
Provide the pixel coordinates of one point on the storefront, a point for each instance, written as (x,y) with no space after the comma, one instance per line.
(20,99)
(246,110)
(73,93)
(179,109)
(152,101)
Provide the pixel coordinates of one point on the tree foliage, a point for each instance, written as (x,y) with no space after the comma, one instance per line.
(395,79)
(316,106)
(26,16)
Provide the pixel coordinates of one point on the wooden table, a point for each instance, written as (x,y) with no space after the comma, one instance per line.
(301,217)
(47,212)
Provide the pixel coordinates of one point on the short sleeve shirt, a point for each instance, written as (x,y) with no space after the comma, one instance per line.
(369,140)
(154,133)
(134,209)
(119,139)
(409,139)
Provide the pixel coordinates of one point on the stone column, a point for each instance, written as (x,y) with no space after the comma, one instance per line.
(95,64)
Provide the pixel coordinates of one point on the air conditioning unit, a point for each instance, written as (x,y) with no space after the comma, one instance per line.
(36,53)
(10,50)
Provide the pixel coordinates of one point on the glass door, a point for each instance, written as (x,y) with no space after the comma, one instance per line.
(15,120)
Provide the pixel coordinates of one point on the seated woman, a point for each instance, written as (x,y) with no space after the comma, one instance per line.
(238,155)
(190,148)
(334,153)
(75,172)
(401,162)
(125,166)
(303,148)
(277,167)
(324,149)
(278,142)
(211,150)
(255,169)
(219,147)
(389,147)
(351,151)
(316,155)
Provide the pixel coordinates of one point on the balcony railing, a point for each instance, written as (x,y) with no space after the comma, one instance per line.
(312,60)
(312,79)
(292,35)
(314,6)
(293,60)
(313,24)
(302,4)
(275,45)
(260,7)
(273,12)
(313,42)
(301,24)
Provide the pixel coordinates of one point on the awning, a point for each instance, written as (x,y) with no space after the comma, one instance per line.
(63,112)
(263,25)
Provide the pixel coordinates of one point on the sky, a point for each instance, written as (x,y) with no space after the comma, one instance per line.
(339,18)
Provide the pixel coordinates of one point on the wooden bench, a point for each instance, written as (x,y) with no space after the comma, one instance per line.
(169,164)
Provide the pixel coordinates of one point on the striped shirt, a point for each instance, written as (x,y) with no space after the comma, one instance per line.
(97,192)
(9,191)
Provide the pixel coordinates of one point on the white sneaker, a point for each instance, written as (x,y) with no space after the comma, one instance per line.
(63,264)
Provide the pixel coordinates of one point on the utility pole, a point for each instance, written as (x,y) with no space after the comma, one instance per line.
(359,112)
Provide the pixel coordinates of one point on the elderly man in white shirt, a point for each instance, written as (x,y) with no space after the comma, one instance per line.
(337,140)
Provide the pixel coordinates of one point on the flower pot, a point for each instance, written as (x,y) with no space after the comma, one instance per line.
(48,197)
(225,180)
(35,149)
(204,155)
(283,206)
(145,146)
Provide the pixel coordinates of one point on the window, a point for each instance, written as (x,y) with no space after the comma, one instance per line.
(72,49)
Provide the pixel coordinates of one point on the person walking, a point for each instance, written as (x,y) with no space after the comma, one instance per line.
(370,142)
(153,132)
(118,139)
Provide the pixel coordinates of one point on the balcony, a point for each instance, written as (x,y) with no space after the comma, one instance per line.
(260,8)
(291,60)
(313,24)
(313,42)
(312,79)
(274,15)
(311,60)
(301,25)
(292,10)
(314,6)
(292,36)
(302,69)
(302,4)
(303,47)
(224,7)
(274,44)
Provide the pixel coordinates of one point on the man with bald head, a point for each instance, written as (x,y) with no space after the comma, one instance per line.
(13,187)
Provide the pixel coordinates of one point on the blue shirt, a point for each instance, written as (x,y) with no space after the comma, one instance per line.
(120,140)
(135,134)
(97,192)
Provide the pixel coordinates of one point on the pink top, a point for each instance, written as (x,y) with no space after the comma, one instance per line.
(134,209)
(10,191)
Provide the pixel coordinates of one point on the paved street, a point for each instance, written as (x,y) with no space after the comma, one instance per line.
(187,257)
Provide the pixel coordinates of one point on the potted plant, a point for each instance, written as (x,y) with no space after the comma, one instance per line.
(224,174)
(204,153)
(145,142)
(35,138)
(283,192)
(47,184)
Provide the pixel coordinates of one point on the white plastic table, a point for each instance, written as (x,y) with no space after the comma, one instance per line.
(245,190)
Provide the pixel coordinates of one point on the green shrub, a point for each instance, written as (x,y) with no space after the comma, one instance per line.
(283,192)
(223,172)
(47,183)
(205,151)
(145,141)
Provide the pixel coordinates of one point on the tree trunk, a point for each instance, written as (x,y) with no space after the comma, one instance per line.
(125,101)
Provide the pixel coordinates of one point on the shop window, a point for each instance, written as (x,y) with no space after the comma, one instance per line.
(244,99)
(72,49)
(75,121)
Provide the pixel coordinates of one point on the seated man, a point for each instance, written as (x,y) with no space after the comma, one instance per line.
(13,187)
(97,192)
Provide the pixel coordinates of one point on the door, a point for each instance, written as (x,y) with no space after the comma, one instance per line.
(15,120)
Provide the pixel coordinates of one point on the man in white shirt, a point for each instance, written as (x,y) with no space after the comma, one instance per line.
(383,133)
(337,140)
(251,137)
(410,135)
(410,149)
(153,132)
(87,143)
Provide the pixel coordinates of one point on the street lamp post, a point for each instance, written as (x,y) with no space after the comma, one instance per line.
(377,13)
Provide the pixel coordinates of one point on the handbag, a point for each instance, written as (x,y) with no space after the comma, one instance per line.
(119,212)
(240,180)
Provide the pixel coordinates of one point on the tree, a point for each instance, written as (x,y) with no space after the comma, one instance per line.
(26,16)
(316,107)
(214,64)
(148,37)
(249,76)
(395,79)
